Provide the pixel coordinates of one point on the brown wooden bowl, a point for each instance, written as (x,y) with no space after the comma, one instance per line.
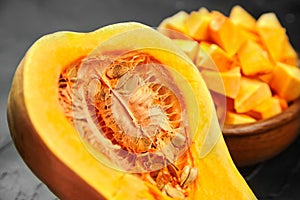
(252,143)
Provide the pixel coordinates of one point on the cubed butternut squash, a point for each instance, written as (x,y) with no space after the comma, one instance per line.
(226,83)
(286,81)
(259,48)
(268,108)
(232,82)
(283,102)
(253,59)
(272,38)
(237,118)
(288,54)
(189,47)
(265,77)
(269,20)
(221,60)
(203,60)
(225,33)
(174,26)
(252,92)
(203,10)
(197,25)
(275,39)
(248,35)
(241,17)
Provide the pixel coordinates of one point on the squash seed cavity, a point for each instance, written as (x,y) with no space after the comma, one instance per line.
(129,109)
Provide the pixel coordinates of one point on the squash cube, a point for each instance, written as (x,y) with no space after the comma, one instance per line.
(288,54)
(268,108)
(237,118)
(226,83)
(225,33)
(203,60)
(197,25)
(268,20)
(286,81)
(252,92)
(274,38)
(203,10)
(189,47)
(174,26)
(253,36)
(283,102)
(221,60)
(242,18)
(254,60)
(265,77)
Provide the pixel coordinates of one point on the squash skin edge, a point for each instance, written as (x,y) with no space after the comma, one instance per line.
(58,171)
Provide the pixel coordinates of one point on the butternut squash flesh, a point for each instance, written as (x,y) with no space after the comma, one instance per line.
(51,146)
(240,41)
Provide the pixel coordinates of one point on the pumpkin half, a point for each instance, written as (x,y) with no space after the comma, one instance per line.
(119,113)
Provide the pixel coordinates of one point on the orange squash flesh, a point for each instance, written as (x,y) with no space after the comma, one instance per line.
(253,59)
(268,108)
(189,47)
(225,33)
(174,26)
(256,46)
(286,81)
(270,30)
(242,18)
(231,80)
(221,59)
(51,146)
(197,25)
(251,94)
(237,118)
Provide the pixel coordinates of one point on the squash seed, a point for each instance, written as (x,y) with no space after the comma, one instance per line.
(173,192)
(184,174)
(178,140)
(188,175)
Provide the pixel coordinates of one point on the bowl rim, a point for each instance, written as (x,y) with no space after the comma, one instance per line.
(289,114)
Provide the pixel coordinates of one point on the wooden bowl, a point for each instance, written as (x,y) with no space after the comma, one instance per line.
(252,143)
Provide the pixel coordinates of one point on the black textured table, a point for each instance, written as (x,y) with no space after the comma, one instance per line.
(22,22)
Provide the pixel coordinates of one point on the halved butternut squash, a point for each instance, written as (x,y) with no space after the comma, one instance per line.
(42,123)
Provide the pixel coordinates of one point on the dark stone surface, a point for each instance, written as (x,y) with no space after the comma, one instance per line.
(22,22)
